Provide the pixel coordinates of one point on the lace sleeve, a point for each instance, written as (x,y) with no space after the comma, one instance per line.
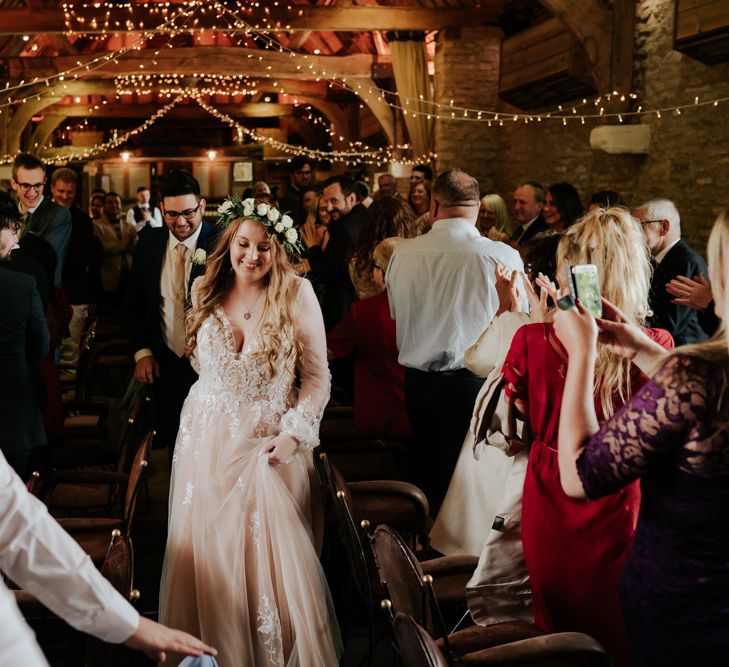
(302,421)
(661,417)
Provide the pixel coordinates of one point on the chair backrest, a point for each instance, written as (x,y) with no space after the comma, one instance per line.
(401,574)
(139,464)
(140,421)
(416,646)
(370,458)
(118,565)
(354,537)
(85,354)
(110,369)
(118,568)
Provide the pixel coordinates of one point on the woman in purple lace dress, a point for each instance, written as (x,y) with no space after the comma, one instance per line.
(674,436)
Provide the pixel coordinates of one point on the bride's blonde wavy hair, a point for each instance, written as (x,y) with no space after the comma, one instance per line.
(612,240)
(277,324)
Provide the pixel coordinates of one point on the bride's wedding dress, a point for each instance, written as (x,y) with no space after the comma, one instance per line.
(241,568)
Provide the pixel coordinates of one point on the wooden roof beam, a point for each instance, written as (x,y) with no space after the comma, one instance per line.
(226,60)
(606,34)
(300,17)
(120,110)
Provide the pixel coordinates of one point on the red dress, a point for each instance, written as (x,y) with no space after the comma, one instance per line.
(368,332)
(574,549)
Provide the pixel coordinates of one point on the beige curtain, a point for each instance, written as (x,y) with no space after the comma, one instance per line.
(410,67)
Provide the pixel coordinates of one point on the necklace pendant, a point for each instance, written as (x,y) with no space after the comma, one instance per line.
(246,316)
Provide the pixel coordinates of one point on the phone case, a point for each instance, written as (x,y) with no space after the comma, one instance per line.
(588,288)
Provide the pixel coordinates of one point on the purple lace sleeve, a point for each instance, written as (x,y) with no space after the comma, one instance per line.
(663,419)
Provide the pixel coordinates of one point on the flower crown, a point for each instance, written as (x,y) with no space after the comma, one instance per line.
(271,218)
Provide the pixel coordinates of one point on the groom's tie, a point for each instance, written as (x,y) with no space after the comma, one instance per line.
(178,331)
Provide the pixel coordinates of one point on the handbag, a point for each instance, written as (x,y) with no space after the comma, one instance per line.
(496,422)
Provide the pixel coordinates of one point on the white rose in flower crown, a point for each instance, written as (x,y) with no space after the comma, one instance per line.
(199,256)
(287,221)
(273,214)
(225,207)
(292,235)
(278,227)
(262,209)
(249,202)
(248,208)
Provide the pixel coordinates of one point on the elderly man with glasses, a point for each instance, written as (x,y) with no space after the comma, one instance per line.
(40,215)
(671,257)
(166,262)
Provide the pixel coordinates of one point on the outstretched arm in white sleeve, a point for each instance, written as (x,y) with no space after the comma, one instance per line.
(37,554)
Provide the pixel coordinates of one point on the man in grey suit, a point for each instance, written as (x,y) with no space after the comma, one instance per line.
(41,216)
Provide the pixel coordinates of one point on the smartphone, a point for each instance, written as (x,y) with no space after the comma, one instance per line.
(587,287)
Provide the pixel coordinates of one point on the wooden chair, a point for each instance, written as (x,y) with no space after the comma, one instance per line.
(386,497)
(118,568)
(411,590)
(92,533)
(77,490)
(364,459)
(563,649)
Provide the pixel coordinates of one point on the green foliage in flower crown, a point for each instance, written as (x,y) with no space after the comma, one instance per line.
(282,226)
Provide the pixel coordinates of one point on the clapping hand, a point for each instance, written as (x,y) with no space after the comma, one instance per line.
(507,290)
(538,306)
(314,235)
(495,235)
(692,292)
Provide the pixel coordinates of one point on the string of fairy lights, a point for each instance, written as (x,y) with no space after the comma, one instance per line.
(237,24)
(104,20)
(93,151)
(80,68)
(351,157)
(168,85)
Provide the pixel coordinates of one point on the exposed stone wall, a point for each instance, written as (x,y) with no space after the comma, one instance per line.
(689,155)
(467,72)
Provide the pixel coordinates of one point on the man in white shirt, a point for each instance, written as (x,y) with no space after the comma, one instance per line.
(442,296)
(143,214)
(37,554)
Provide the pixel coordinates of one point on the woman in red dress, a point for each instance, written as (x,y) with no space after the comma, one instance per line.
(367,332)
(575,549)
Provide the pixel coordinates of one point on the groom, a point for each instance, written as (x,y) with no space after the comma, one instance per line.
(166,262)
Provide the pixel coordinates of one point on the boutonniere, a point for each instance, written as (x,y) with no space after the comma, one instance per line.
(199,257)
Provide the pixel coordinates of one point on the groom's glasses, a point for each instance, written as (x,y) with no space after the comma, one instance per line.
(188,213)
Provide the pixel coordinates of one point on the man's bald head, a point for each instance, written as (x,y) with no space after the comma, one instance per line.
(455,195)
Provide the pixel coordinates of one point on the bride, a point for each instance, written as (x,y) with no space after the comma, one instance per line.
(241,568)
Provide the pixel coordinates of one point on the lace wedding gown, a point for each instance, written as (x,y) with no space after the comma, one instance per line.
(241,568)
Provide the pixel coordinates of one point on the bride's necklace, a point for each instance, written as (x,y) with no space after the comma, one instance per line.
(249,311)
